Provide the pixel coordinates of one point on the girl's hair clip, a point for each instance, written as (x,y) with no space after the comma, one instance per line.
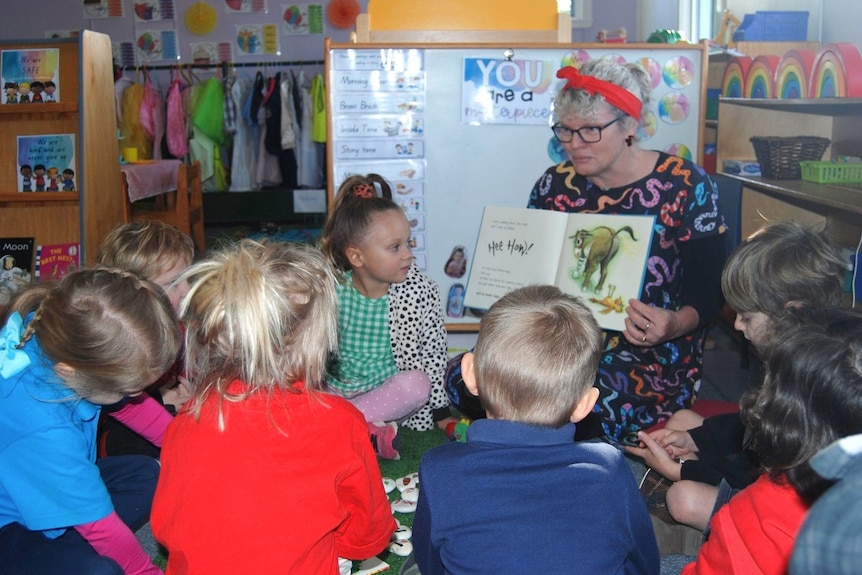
(363,190)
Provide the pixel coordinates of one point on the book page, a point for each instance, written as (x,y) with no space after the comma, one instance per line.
(603,261)
(516,247)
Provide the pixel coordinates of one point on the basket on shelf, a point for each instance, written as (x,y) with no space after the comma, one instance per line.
(831,172)
(779,157)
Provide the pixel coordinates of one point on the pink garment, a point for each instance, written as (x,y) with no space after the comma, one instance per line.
(151,179)
(149,103)
(178,144)
(110,537)
(397,398)
(145,416)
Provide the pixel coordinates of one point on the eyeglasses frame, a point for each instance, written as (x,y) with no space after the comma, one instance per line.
(578,131)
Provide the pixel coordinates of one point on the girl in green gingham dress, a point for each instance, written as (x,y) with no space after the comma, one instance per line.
(392,340)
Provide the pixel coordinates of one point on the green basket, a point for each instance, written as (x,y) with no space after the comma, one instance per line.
(831,172)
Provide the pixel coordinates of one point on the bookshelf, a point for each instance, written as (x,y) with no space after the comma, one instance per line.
(86,109)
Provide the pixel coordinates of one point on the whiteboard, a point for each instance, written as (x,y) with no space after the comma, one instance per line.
(386,100)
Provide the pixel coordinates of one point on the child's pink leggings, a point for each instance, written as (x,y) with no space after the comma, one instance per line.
(395,399)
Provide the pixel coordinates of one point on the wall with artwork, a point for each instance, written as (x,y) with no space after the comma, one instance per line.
(159,27)
(158,32)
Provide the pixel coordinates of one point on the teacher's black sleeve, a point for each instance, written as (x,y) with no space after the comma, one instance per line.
(702,262)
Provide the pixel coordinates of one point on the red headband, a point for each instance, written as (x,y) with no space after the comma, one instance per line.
(613,94)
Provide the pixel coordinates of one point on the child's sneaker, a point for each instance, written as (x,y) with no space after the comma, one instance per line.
(385,440)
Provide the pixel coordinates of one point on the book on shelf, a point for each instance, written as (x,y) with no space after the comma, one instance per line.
(16,271)
(53,261)
(600,258)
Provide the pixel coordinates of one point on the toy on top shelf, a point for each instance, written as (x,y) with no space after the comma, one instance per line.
(665,37)
(617,36)
(773,26)
(729,24)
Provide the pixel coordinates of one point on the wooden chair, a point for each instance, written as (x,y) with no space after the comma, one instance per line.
(182,208)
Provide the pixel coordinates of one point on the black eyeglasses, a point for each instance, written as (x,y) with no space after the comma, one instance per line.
(587,134)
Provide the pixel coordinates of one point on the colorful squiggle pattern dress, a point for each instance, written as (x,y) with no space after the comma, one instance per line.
(640,387)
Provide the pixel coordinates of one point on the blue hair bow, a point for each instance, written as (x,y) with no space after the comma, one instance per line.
(12,359)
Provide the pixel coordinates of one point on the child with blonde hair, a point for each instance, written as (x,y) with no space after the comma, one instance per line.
(152,249)
(261,457)
(67,349)
(158,252)
(392,340)
(515,497)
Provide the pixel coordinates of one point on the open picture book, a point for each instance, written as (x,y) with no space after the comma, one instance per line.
(600,258)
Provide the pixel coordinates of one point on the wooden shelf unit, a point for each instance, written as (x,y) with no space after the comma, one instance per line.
(718,62)
(837,207)
(87,109)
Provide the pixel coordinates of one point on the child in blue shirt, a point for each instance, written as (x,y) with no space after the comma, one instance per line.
(67,349)
(513,498)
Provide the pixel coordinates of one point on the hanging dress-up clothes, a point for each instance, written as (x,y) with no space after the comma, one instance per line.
(242,153)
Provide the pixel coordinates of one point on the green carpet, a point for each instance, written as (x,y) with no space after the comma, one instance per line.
(225,235)
(413,445)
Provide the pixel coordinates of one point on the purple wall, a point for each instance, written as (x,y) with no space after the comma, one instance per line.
(31,19)
(610,15)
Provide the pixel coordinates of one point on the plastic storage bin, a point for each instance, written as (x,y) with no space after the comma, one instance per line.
(831,172)
(773,26)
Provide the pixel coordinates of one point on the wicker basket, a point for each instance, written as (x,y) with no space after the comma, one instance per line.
(779,157)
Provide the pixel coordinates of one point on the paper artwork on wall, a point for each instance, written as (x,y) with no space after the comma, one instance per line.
(30,76)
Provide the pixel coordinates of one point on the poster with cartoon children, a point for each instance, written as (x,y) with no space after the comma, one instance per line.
(46,163)
(30,76)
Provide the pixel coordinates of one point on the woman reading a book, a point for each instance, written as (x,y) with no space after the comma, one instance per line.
(653,367)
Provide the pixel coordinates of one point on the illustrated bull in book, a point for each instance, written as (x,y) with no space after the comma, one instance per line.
(594,249)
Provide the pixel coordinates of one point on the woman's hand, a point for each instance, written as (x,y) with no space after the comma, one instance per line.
(647,326)
(656,457)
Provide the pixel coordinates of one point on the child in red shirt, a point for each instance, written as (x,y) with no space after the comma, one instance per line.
(262,471)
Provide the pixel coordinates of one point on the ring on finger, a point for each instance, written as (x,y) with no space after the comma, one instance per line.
(643,339)
(646,327)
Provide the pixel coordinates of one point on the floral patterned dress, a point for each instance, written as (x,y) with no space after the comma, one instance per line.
(640,387)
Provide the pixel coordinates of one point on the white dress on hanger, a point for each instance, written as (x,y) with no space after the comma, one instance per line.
(242,155)
(310,175)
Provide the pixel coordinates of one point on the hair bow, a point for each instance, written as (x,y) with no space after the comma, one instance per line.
(12,359)
(363,191)
(615,95)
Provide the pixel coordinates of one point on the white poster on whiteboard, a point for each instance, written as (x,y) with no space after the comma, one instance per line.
(377,102)
(504,91)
